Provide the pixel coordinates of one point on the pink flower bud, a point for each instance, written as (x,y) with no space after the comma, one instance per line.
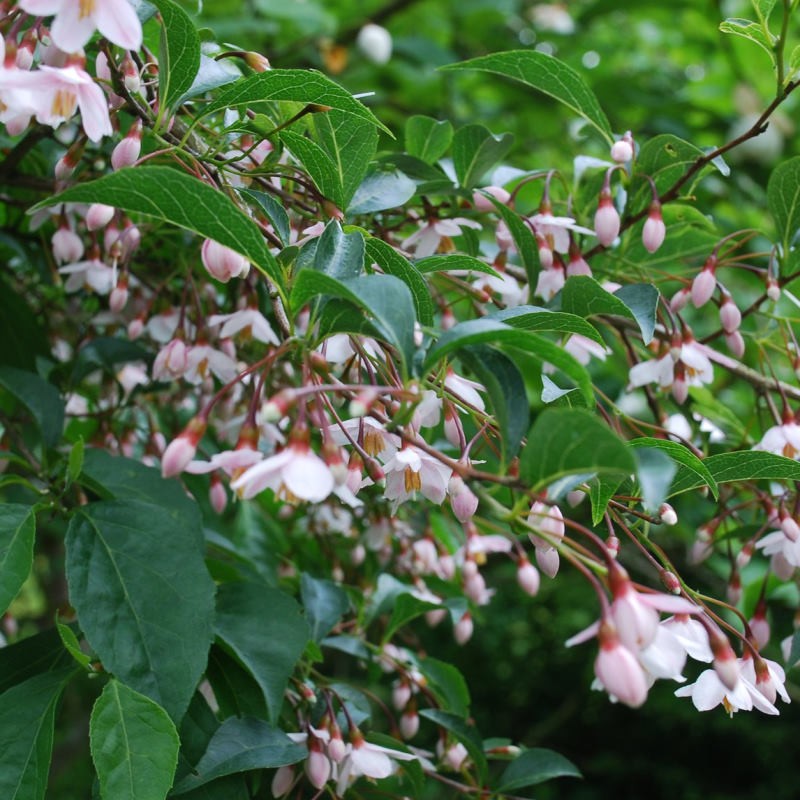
(735,343)
(257,62)
(67,246)
(680,299)
(318,766)
(98,216)
(182,449)
(729,314)
(773,289)
(670,581)
(401,694)
(503,237)
(135,328)
(744,555)
(409,724)
(482,203)
(217,495)
(545,252)
(789,526)
(733,591)
(606,220)
(283,780)
(617,668)
(680,388)
(463,629)
(547,520)
(622,150)
(548,561)
(118,298)
(667,514)
(577,264)
(759,626)
(130,74)
(528,577)
(223,263)
(127,151)
(704,283)
(462,499)
(654,229)
(725,664)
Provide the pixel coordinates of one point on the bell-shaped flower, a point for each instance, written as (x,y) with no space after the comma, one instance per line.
(249,322)
(202,359)
(370,760)
(617,668)
(783,440)
(708,691)
(425,241)
(692,636)
(412,470)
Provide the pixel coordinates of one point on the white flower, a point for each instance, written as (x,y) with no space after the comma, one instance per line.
(371,760)
(412,470)
(783,440)
(511,293)
(369,433)
(425,240)
(556,230)
(250,322)
(708,691)
(201,358)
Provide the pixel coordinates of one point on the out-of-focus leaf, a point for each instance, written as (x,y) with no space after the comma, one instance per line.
(783,199)
(426,138)
(39,397)
(381,190)
(22,338)
(17,533)
(324,602)
(654,470)
(475,151)
(535,766)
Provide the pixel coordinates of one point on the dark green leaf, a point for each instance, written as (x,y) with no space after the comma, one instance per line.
(179,58)
(17,533)
(338,254)
(324,602)
(601,489)
(532,318)
(172,196)
(235,688)
(783,199)
(570,442)
(642,301)
(427,139)
(21,335)
(211,74)
(293,85)
(266,631)
(406,608)
(447,684)
(392,263)
(465,733)
(381,190)
(27,714)
(547,74)
(275,212)
(40,398)
(744,465)
(240,745)
(319,165)
(143,596)
(523,237)
(475,151)
(682,455)
(534,766)
(134,745)
(43,652)
(457,261)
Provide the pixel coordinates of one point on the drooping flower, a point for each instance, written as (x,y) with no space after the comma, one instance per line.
(370,760)
(427,238)
(708,691)
(412,470)
(249,322)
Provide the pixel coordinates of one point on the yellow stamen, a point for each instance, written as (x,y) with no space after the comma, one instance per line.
(412,480)
(86,8)
(373,442)
(64,103)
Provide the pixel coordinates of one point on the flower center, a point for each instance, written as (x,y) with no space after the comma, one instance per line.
(64,103)
(412,480)
(86,8)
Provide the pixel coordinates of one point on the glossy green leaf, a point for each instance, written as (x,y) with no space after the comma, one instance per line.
(179,59)
(17,534)
(601,489)
(506,389)
(392,263)
(242,744)
(27,714)
(753,32)
(380,191)
(533,318)
(386,300)
(144,598)
(535,766)
(172,196)
(654,471)
(292,85)
(426,138)
(465,733)
(72,645)
(211,74)
(325,604)
(319,165)
(339,254)
(523,237)
(585,297)
(447,684)
(134,745)
(350,143)
(275,212)
(266,631)
(39,397)
(570,442)
(783,199)
(681,455)
(406,608)
(475,151)
(744,465)
(548,75)
(452,263)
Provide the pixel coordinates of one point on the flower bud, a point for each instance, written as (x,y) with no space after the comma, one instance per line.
(725,664)
(135,328)
(217,495)
(773,289)
(375,42)
(548,561)
(735,343)
(223,263)
(622,150)
(667,514)
(704,283)
(127,151)
(130,74)
(256,62)
(759,625)
(482,203)
(98,216)
(606,219)
(67,246)
(118,298)
(463,629)
(409,723)
(182,449)
(577,264)
(670,581)
(528,577)
(789,526)
(318,766)
(462,499)
(283,780)
(654,229)
(680,299)
(733,591)
(401,694)
(729,314)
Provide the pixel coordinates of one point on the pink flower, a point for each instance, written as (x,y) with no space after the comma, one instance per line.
(76,21)
(171,361)
(202,359)
(704,283)
(412,470)
(618,670)
(369,433)
(465,389)
(250,322)
(654,229)
(370,760)
(555,230)
(425,241)
(511,293)
(692,636)
(550,281)
(606,219)
(223,263)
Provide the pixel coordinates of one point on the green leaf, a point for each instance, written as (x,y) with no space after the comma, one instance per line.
(406,608)
(325,604)
(488,331)
(42,652)
(682,455)
(743,465)
(523,237)
(475,151)
(457,261)
(447,684)
(535,766)
(752,31)
(382,190)
(75,461)
(338,254)
(179,59)
(655,471)
(292,85)
(392,263)
(427,139)
(72,646)
(350,143)
(266,631)
(465,733)
(386,300)
(40,398)
(783,199)
(506,388)
(237,692)
(548,75)
(27,715)
(601,489)
(211,74)
(240,745)
(571,442)
(144,598)
(763,9)
(172,196)
(275,212)
(585,297)
(22,337)
(134,745)
(318,164)
(17,534)
(533,318)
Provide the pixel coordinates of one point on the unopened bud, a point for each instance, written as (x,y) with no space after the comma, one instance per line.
(464,629)
(98,216)
(654,230)
(283,780)
(773,289)
(670,581)
(463,500)
(482,203)
(759,625)
(118,298)
(276,408)
(729,314)
(127,151)
(257,62)
(704,283)
(622,150)
(130,75)
(217,495)
(409,723)
(548,560)
(680,299)
(733,591)
(182,449)
(528,577)
(667,514)
(606,219)
(735,343)
(223,263)
(361,404)
(725,662)
(135,328)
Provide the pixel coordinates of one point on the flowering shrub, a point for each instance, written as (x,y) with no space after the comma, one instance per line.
(274,398)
